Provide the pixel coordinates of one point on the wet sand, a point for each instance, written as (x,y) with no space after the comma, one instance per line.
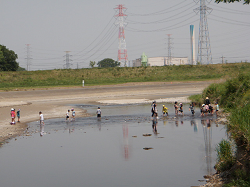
(54,103)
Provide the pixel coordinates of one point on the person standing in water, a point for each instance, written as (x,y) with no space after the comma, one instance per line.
(41,123)
(67,115)
(99,112)
(176,108)
(73,114)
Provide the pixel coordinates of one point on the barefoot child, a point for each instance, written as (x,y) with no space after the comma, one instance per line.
(99,112)
(73,114)
(67,115)
(13,116)
(176,107)
(41,123)
(18,115)
(164,110)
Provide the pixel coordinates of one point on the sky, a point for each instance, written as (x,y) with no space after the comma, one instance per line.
(43,30)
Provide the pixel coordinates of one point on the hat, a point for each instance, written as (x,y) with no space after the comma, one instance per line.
(203,104)
(206,97)
(163,105)
(12,109)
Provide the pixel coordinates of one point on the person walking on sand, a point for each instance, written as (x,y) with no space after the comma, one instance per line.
(73,114)
(99,112)
(41,123)
(67,115)
(164,110)
(18,115)
(13,116)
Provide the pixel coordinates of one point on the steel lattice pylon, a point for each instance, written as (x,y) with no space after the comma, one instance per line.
(204,48)
(122,49)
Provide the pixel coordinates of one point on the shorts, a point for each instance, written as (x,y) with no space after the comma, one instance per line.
(98,115)
(67,117)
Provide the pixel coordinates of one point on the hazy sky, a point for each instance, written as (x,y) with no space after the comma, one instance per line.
(87,29)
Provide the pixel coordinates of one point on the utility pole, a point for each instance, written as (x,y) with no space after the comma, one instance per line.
(122,49)
(28,58)
(222,59)
(204,48)
(67,59)
(169,60)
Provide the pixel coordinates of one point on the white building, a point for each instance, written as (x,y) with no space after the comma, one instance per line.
(163,61)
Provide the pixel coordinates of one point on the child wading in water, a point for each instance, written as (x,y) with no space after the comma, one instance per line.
(98,112)
(67,115)
(164,110)
(181,109)
(191,108)
(217,108)
(73,114)
(41,123)
(176,107)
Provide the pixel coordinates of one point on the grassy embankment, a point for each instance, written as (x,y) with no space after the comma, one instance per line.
(105,76)
(234,154)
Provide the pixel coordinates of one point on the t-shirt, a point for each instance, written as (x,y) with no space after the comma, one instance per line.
(98,111)
(41,117)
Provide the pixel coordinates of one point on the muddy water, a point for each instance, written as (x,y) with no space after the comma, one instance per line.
(114,151)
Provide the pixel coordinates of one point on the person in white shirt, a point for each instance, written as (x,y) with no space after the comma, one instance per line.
(41,123)
(99,112)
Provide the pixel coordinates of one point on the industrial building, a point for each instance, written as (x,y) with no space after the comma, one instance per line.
(161,61)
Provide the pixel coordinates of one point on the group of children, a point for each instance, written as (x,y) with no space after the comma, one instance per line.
(13,115)
(73,115)
(205,108)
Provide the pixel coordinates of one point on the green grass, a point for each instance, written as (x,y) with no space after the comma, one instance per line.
(233,96)
(118,75)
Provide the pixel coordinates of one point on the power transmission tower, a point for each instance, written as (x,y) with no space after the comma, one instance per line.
(169,60)
(28,58)
(67,59)
(122,49)
(204,48)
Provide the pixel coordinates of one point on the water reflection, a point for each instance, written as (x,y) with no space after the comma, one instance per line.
(125,141)
(154,125)
(207,133)
(114,151)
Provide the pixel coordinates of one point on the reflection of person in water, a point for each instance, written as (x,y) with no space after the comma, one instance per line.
(208,123)
(177,123)
(195,125)
(154,125)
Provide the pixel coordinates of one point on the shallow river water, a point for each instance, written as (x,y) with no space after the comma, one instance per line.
(114,151)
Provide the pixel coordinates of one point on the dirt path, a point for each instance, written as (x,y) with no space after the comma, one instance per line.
(55,102)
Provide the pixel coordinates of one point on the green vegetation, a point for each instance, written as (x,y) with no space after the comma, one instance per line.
(234,96)
(7,59)
(118,75)
(232,1)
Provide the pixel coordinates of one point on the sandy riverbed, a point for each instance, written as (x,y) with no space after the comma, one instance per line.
(55,102)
